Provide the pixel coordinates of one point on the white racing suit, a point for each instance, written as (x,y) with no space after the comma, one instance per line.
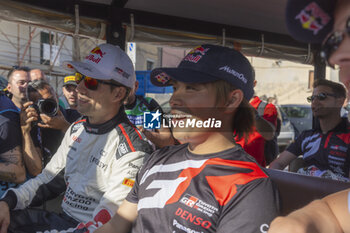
(99,163)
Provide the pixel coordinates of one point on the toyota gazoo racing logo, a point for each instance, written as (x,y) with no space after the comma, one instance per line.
(313,18)
(189,200)
(198,204)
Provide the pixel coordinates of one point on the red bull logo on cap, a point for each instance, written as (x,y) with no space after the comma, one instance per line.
(96,51)
(162,78)
(313,18)
(199,49)
(196,54)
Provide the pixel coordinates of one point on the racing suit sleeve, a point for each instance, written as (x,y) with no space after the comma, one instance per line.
(46,185)
(120,182)
(252,210)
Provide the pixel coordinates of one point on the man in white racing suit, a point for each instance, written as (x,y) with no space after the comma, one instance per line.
(99,155)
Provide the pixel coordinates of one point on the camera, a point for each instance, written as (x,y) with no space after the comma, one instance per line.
(46,106)
(43,96)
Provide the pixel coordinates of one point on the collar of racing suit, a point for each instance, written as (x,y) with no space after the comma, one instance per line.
(107,126)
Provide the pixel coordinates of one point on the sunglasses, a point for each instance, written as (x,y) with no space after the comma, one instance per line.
(332,42)
(321,96)
(91,83)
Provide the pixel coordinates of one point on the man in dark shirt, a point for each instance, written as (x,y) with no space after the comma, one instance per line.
(325,149)
(12,171)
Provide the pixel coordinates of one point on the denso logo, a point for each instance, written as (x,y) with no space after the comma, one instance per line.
(192,218)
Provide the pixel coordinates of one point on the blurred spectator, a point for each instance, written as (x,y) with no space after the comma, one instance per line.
(325,149)
(70,92)
(3,84)
(272,100)
(43,125)
(12,170)
(266,121)
(18,79)
(37,74)
(135,106)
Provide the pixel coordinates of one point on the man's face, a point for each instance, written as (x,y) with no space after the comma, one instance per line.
(192,102)
(17,86)
(95,104)
(329,106)
(37,74)
(69,91)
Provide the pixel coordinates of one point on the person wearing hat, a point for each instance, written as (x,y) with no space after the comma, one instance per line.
(208,183)
(327,22)
(69,91)
(99,156)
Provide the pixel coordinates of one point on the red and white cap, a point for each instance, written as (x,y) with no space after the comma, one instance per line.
(106,62)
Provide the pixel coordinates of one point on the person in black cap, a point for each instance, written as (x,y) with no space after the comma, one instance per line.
(70,92)
(326,22)
(208,183)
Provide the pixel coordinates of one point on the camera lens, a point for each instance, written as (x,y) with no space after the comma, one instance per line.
(48,107)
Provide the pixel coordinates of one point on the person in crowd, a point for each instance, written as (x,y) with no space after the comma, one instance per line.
(43,125)
(265,130)
(37,74)
(12,170)
(325,149)
(135,106)
(99,155)
(18,79)
(208,183)
(3,84)
(330,214)
(70,92)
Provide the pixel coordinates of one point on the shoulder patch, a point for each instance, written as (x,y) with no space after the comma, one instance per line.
(131,141)
(76,125)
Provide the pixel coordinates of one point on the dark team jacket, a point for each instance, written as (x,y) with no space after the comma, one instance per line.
(325,151)
(178,191)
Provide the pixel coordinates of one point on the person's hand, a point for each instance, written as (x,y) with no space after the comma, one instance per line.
(57,122)
(27,116)
(160,138)
(4,217)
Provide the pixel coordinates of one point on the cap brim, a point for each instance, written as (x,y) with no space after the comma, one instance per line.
(161,76)
(85,69)
(70,83)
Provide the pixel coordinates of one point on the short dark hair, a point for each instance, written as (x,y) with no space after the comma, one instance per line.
(338,88)
(16,68)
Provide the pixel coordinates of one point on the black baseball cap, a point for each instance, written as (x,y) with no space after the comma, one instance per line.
(310,21)
(209,63)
